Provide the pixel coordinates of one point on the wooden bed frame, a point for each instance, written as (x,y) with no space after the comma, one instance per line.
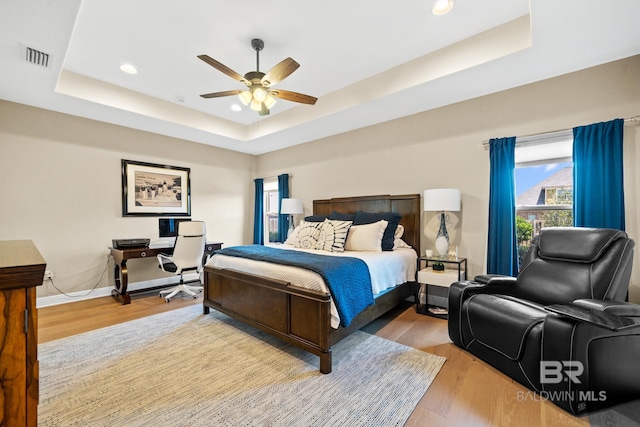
(302,316)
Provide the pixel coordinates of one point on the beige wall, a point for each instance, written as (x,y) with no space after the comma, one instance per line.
(61,174)
(443,148)
(61,188)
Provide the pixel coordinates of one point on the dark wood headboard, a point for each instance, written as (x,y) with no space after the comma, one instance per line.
(408,206)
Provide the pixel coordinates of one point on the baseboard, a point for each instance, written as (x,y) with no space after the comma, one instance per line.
(106,291)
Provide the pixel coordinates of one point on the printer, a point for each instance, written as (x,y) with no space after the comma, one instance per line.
(130,243)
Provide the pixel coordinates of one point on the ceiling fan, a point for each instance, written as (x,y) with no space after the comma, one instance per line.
(260,96)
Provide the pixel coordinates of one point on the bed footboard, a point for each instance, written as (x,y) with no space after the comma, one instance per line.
(299,316)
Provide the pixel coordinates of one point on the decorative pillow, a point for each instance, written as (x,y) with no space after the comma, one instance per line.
(342,216)
(307,236)
(399,233)
(333,235)
(366,237)
(293,237)
(399,243)
(315,218)
(392,218)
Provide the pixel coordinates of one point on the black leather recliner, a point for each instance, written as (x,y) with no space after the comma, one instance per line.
(562,327)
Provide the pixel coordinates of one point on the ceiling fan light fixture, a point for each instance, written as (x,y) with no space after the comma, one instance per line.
(441,7)
(245,97)
(269,101)
(255,105)
(259,94)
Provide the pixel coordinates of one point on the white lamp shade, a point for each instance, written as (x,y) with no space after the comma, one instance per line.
(291,206)
(442,199)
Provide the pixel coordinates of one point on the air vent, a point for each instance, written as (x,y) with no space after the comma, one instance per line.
(37,57)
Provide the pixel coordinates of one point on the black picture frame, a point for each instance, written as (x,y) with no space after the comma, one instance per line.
(150,189)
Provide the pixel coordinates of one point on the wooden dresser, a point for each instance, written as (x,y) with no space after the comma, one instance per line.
(21,270)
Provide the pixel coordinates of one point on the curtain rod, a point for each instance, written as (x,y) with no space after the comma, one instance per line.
(630,119)
(274,177)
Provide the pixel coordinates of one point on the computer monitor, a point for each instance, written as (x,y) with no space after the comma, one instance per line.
(168,227)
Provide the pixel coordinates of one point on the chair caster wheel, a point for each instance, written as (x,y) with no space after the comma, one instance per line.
(167,300)
(195,297)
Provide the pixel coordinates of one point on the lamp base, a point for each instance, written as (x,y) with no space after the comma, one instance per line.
(442,245)
(442,239)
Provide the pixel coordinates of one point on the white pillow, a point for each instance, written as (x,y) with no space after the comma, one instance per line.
(399,232)
(399,243)
(366,237)
(333,235)
(293,237)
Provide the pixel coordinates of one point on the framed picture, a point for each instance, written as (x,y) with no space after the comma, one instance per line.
(149,189)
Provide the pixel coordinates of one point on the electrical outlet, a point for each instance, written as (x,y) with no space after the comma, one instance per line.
(48,274)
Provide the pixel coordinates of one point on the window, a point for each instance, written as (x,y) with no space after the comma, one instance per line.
(271,209)
(544,185)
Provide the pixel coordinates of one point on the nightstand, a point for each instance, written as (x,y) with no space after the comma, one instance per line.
(432,296)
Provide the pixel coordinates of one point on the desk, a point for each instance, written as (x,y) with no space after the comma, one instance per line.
(121,275)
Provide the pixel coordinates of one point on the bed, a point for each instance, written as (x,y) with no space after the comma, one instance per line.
(299,315)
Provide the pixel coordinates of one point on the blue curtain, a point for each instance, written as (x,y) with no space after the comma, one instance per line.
(283,193)
(598,190)
(502,250)
(258,213)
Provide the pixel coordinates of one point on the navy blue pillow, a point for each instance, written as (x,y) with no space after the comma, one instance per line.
(370,217)
(342,216)
(315,218)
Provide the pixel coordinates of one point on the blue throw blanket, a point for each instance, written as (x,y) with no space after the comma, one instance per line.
(347,278)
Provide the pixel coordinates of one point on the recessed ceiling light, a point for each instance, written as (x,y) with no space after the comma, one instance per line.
(440,7)
(129,69)
(236,107)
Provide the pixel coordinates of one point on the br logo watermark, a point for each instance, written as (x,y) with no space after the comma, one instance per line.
(554,372)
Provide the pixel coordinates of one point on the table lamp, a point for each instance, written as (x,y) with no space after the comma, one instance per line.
(291,207)
(442,199)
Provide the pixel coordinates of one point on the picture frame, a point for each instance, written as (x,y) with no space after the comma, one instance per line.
(150,189)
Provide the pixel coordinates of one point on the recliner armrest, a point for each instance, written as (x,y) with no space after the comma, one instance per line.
(618,308)
(459,291)
(600,318)
(496,278)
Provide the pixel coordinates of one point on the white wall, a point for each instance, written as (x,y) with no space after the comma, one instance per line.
(443,148)
(61,188)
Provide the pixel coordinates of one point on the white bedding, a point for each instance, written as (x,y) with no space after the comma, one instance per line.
(387,269)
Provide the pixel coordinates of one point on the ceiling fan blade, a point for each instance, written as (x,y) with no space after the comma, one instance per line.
(294,96)
(223,68)
(278,73)
(220,94)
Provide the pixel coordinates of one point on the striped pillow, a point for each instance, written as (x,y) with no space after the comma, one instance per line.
(333,235)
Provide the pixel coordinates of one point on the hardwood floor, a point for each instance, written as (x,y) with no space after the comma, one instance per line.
(466,392)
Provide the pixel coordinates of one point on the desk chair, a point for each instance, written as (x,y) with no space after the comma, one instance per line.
(187,257)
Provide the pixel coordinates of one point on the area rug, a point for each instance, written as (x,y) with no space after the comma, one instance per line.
(183,368)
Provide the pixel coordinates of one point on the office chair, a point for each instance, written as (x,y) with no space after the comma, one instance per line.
(187,257)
